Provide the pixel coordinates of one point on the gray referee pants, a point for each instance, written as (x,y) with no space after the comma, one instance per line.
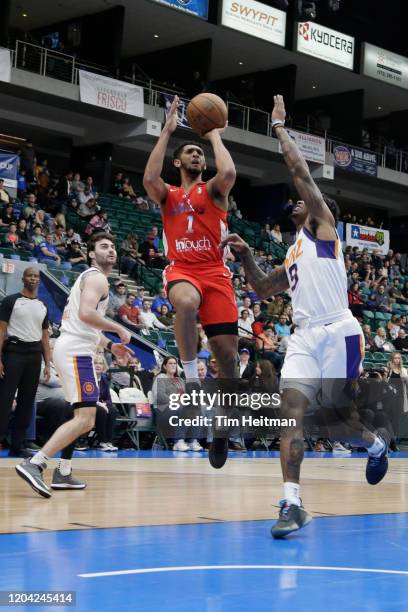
(22,371)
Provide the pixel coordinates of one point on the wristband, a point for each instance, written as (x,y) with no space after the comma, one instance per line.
(277,123)
(109,345)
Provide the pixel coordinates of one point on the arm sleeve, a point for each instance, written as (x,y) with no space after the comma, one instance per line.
(6,307)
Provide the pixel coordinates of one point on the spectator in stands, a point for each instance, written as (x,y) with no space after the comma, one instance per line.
(276,234)
(129,314)
(165,316)
(397,375)
(43,175)
(117,184)
(4,194)
(281,327)
(355,300)
(117,298)
(12,239)
(244,325)
(212,367)
(393,326)
(127,190)
(98,223)
(265,379)
(275,307)
(395,292)
(38,235)
(148,319)
(64,186)
(76,257)
(246,305)
(46,252)
(154,259)
(21,184)
(88,209)
(90,187)
(106,413)
(401,343)
(381,342)
(379,300)
(130,253)
(27,160)
(7,216)
(31,207)
(259,316)
(23,235)
(268,343)
(70,236)
(246,368)
(140,298)
(267,266)
(58,239)
(368,339)
(160,300)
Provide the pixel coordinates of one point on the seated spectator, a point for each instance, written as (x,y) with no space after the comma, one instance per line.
(148,319)
(154,259)
(71,236)
(11,238)
(276,234)
(267,265)
(43,175)
(251,293)
(401,343)
(127,190)
(259,316)
(244,326)
(275,307)
(76,257)
(133,375)
(395,292)
(23,235)
(106,413)
(46,252)
(165,316)
(7,216)
(246,305)
(116,188)
(117,298)
(281,327)
(160,300)
(89,209)
(268,343)
(58,238)
(90,187)
(98,223)
(368,339)
(38,235)
(138,301)
(246,368)
(4,194)
(381,342)
(129,314)
(130,253)
(265,379)
(393,326)
(21,184)
(355,299)
(31,206)
(379,300)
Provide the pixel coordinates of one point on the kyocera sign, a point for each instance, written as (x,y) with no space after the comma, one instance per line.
(325,44)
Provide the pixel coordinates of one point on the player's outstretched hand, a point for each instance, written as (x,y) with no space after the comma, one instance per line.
(124,334)
(122,352)
(172,116)
(279,112)
(215,132)
(236,243)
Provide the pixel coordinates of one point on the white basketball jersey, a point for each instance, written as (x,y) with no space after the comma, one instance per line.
(317,278)
(85,335)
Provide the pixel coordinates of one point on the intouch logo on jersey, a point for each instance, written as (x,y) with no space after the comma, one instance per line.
(360,233)
(186,246)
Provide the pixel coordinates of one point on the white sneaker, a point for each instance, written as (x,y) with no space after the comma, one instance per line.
(181,445)
(339,448)
(195,446)
(111,447)
(104,446)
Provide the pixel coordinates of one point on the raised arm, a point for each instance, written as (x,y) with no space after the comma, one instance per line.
(304,183)
(265,285)
(222,183)
(155,187)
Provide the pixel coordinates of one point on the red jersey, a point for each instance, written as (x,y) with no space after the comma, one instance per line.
(193,226)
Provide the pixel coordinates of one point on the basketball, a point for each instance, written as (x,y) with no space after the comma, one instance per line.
(206,112)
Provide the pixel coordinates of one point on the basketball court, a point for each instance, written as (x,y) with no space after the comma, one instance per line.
(161,530)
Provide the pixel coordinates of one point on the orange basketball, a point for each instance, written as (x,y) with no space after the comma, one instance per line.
(206,112)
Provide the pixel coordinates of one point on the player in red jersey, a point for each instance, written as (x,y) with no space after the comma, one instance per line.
(197,281)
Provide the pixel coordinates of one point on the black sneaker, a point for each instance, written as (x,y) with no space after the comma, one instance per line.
(33,474)
(377,467)
(291,518)
(218,452)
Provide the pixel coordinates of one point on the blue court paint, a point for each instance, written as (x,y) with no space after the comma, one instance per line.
(55,560)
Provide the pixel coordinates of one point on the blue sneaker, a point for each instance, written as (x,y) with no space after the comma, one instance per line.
(377,467)
(291,518)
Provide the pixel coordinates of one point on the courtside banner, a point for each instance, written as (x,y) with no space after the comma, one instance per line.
(370,238)
(325,44)
(384,65)
(354,159)
(8,169)
(313,148)
(111,94)
(256,19)
(5,65)
(193,7)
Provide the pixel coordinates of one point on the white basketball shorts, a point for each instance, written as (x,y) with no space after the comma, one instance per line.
(75,367)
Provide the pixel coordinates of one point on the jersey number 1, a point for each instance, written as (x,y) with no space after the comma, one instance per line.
(190,220)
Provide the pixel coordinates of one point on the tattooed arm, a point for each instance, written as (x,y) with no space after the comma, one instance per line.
(304,183)
(265,285)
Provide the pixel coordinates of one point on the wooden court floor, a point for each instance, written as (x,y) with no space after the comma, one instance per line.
(133,492)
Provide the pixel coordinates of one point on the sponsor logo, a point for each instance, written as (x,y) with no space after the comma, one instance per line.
(304,29)
(359,233)
(251,13)
(343,156)
(88,388)
(311,32)
(185,207)
(186,246)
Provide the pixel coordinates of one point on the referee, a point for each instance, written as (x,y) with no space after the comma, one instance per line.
(24,339)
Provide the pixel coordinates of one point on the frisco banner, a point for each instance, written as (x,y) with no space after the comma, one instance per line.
(313,148)
(256,19)
(325,44)
(385,66)
(370,238)
(5,65)
(111,94)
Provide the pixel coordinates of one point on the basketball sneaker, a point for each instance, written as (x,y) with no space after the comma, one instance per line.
(59,481)
(377,467)
(33,474)
(181,445)
(195,446)
(218,452)
(291,518)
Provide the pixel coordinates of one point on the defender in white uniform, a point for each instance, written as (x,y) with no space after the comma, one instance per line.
(328,342)
(74,352)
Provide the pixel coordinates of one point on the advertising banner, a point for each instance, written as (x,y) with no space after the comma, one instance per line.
(111,94)
(354,159)
(5,65)
(384,65)
(8,169)
(370,238)
(194,7)
(313,148)
(256,19)
(325,44)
